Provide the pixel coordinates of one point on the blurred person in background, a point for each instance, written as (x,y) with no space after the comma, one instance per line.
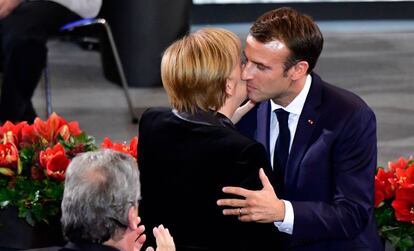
(25,27)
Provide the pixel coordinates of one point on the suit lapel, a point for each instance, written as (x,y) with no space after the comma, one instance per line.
(308,121)
(263,125)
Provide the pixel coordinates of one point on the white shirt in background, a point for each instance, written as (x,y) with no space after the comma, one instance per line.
(84,8)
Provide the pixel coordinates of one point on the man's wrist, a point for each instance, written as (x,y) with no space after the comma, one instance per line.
(282,210)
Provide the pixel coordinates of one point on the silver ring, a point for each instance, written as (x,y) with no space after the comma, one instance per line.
(240,213)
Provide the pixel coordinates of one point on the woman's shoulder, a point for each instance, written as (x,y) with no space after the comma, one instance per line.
(155,113)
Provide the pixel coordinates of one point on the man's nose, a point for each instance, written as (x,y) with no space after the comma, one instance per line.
(246,72)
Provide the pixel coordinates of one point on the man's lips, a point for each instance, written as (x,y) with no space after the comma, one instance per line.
(250,88)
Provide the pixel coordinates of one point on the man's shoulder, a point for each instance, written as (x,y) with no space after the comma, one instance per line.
(336,97)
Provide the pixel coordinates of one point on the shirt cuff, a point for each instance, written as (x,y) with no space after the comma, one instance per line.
(286,225)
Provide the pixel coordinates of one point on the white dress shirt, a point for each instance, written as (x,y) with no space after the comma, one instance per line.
(84,8)
(295,109)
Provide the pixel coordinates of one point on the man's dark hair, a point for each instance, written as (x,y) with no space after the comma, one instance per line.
(299,32)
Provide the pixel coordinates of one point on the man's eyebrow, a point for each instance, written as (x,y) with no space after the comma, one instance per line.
(260,64)
(256,63)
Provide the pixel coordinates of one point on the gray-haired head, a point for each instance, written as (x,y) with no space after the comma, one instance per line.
(100,188)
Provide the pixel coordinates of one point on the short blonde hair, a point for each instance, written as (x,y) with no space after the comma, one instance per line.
(194,69)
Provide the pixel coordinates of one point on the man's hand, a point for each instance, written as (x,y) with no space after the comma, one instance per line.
(165,241)
(7,6)
(140,236)
(241,111)
(260,206)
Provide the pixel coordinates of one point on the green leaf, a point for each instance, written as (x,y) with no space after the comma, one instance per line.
(19,166)
(407,242)
(6,171)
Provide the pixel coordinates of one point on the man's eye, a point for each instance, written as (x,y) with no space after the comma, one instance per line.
(261,67)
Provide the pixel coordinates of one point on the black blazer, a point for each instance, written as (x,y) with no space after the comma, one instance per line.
(185,161)
(77,247)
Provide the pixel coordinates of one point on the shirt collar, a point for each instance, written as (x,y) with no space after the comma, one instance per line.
(298,102)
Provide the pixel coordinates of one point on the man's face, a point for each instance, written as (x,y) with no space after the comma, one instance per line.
(264,72)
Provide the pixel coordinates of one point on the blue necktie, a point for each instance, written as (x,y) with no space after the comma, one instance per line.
(281,152)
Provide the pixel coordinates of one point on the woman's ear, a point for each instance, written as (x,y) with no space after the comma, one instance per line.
(230,87)
(299,70)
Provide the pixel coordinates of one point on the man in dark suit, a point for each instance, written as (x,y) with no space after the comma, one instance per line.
(320,138)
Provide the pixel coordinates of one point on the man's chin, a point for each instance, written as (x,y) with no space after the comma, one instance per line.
(254,98)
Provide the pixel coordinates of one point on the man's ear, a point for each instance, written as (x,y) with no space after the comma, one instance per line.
(299,70)
(133,218)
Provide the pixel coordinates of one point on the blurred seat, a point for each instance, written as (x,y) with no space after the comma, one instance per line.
(84,28)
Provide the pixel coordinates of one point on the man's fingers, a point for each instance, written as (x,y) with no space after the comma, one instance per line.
(141,239)
(231,202)
(237,191)
(234,202)
(232,211)
(265,180)
(140,229)
(163,238)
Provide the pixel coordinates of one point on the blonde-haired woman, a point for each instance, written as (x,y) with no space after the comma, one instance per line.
(187,153)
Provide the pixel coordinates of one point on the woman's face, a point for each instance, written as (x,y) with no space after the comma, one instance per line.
(239,92)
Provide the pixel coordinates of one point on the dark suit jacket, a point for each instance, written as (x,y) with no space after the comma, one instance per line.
(184,162)
(78,247)
(329,176)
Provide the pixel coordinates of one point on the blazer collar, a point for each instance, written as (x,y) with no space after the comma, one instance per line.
(201,117)
(308,121)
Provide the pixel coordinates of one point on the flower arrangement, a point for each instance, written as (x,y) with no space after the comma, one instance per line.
(394,203)
(33,162)
(131,149)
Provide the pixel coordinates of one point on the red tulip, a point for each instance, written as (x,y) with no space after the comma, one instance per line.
(48,154)
(9,159)
(132,149)
(379,193)
(404,204)
(56,167)
(11,132)
(401,163)
(405,176)
(385,182)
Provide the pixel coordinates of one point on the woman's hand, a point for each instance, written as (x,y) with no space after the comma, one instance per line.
(241,111)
